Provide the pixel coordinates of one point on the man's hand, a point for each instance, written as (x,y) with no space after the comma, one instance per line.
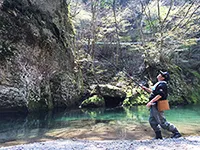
(152,102)
(149,104)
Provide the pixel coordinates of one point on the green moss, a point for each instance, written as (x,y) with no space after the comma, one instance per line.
(129,93)
(95,100)
(138,97)
(141,99)
(127,102)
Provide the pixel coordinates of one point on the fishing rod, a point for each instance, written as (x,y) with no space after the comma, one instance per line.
(127,74)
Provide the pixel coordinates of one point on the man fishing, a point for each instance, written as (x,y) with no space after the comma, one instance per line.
(157,119)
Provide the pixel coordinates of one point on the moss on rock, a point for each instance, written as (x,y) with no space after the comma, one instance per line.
(138,97)
(95,101)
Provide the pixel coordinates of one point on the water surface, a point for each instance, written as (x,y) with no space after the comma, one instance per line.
(93,124)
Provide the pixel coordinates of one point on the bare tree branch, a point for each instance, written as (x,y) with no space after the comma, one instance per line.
(158,7)
(171,4)
(180,10)
(116,29)
(147,15)
(184,16)
(189,18)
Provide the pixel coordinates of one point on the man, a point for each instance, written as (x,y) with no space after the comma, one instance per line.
(159,92)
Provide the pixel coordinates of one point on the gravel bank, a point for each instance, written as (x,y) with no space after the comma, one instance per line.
(186,143)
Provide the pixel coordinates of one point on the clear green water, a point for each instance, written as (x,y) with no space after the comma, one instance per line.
(118,123)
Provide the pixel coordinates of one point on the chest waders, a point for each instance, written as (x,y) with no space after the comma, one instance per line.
(157,121)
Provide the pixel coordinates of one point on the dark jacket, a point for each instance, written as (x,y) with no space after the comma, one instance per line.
(160,88)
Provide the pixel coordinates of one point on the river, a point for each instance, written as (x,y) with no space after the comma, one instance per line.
(93,124)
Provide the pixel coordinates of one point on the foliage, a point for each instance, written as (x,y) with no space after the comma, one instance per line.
(167,32)
(194,88)
(195,73)
(136,97)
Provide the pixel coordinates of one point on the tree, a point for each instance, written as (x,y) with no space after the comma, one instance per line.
(94,10)
(169,23)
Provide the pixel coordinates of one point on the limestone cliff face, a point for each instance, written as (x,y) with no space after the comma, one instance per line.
(36,57)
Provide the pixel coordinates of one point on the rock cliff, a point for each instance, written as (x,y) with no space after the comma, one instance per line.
(36,57)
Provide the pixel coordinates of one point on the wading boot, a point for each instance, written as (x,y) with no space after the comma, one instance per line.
(176,134)
(158,135)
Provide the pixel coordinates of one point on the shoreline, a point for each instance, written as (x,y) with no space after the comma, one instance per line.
(183,143)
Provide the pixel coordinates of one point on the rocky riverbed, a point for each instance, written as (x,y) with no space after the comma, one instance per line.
(183,143)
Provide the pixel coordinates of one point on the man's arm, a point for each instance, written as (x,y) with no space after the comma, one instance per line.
(148,90)
(153,100)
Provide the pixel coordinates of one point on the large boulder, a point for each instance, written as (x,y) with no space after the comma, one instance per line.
(106,95)
(93,102)
(11,99)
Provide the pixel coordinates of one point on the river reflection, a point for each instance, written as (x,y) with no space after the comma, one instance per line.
(94,124)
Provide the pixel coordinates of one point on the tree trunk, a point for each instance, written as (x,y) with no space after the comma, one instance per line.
(116,32)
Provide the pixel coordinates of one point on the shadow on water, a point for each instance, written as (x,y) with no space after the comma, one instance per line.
(91,124)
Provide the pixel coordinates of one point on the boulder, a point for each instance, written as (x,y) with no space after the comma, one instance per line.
(95,102)
(111,96)
(11,99)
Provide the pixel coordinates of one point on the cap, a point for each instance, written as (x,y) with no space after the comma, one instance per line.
(165,75)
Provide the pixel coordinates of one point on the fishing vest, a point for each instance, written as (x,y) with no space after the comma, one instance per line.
(160,88)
